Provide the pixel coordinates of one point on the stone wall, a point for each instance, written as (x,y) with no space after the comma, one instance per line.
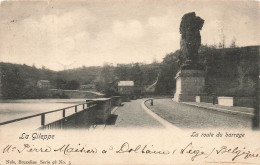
(125,98)
(244,102)
(116,100)
(75,94)
(83,119)
(96,112)
(103,110)
(205,99)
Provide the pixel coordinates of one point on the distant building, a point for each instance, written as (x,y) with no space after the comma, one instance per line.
(126,87)
(88,87)
(43,84)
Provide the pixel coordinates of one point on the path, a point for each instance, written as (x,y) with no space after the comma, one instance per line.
(131,114)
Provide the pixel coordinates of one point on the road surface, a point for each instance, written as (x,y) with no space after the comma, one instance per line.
(131,114)
(185,116)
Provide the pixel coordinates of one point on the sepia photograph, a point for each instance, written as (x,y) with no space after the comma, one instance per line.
(129,82)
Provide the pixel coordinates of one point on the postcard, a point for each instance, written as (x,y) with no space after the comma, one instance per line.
(129,82)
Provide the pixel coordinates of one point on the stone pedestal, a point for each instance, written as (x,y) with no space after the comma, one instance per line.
(189,84)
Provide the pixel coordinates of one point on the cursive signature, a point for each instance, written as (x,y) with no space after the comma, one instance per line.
(68,149)
(141,149)
(234,152)
(190,150)
(26,148)
(65,149)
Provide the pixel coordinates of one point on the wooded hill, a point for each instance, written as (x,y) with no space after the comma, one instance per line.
(229,72)
(20,81)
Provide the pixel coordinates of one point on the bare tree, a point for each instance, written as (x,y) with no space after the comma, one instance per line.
(222,36)
(233,42)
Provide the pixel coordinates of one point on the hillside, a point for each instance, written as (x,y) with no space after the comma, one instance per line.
(20,81)
(229,72)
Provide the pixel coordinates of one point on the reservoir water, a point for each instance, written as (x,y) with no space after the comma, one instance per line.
(13,109)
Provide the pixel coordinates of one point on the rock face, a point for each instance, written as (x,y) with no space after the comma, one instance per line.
(190,40)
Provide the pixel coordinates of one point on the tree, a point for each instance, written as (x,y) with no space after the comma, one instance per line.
(72,85)
(107,73)
(233,43)
(12,84)
(60,83)
(122,72)
(105,79)
(169,67)
(222,42)
(137,75)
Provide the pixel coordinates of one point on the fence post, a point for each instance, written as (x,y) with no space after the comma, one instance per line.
(42,119)
(76,110)
(83,106)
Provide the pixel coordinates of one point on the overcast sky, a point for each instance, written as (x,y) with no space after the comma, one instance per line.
(69,34)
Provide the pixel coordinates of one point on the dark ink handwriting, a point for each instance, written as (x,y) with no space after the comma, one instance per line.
(125,147)
(67,149)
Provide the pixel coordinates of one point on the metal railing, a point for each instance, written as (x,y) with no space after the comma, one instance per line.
(61,123)
(57,123)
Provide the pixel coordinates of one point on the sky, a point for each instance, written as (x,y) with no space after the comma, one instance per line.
(61,34)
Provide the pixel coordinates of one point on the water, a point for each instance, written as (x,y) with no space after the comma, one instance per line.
(13,109)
